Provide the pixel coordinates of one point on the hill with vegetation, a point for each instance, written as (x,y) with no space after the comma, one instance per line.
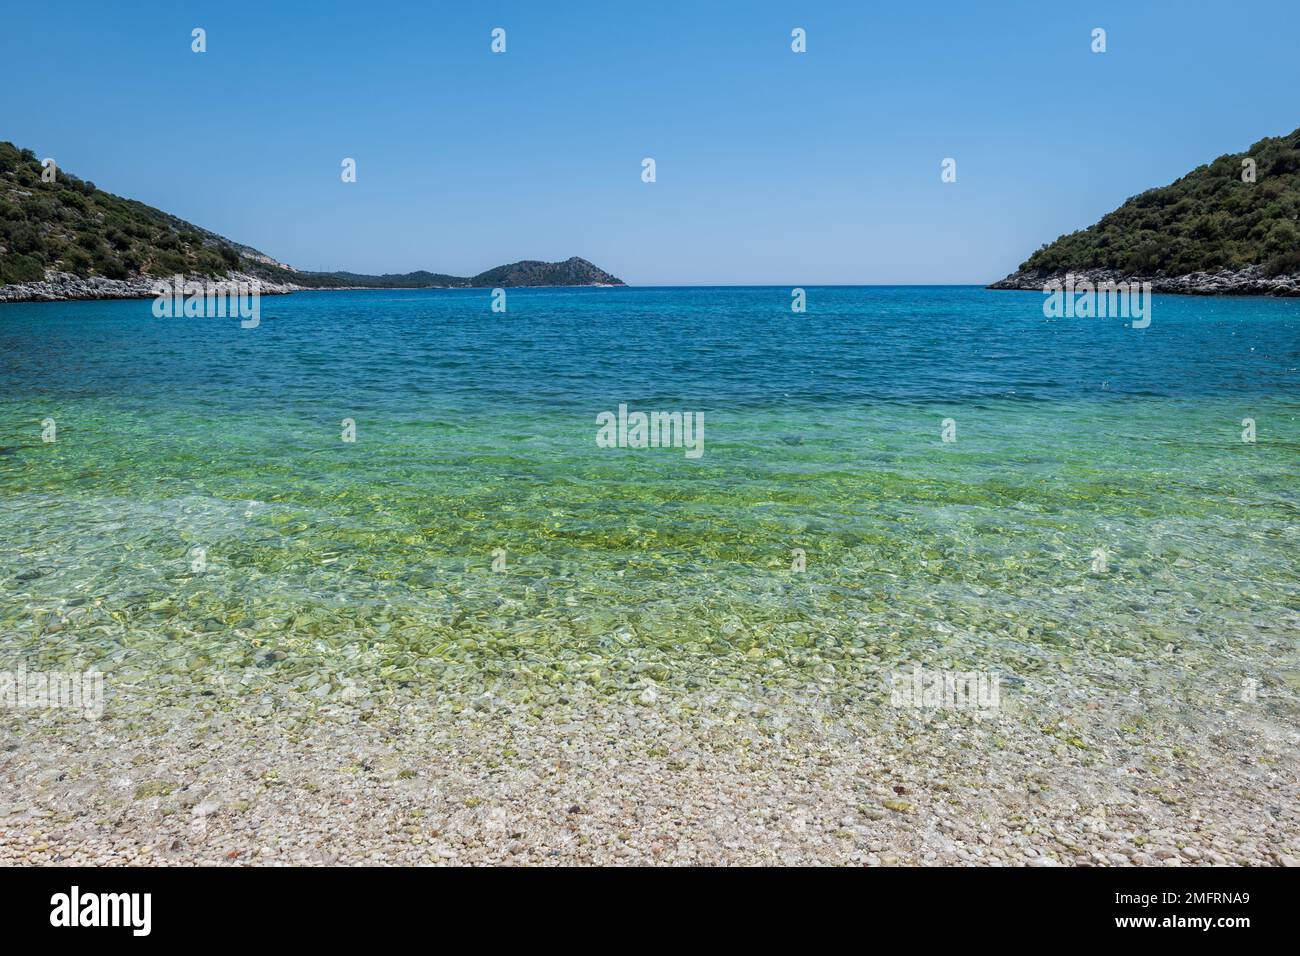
(1209,221)
(574,271)
(69,226)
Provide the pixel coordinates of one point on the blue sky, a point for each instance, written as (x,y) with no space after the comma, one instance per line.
(773,167)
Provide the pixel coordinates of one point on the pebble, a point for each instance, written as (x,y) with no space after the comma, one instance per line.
(413,784)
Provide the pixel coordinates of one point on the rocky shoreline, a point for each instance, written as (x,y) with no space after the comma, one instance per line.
(1249,281)
(66,287)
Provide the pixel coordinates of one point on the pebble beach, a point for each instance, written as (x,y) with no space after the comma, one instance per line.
(681,782)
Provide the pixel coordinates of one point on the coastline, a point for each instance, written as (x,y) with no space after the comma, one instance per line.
(66,287)
(1228,282)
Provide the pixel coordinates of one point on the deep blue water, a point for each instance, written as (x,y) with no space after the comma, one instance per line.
(698,346)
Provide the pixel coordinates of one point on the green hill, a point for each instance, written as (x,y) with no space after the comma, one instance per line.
(1207,221)
(573,271)
(72,226)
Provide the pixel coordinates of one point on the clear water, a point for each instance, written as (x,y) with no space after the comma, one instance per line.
(370,563)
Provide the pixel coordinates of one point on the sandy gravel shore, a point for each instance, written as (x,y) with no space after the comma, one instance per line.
(705,780)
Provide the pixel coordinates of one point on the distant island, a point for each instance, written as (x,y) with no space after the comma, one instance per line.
(1230,227)
(67,239)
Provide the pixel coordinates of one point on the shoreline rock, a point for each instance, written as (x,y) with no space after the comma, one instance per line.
(66,287)
(1249,281)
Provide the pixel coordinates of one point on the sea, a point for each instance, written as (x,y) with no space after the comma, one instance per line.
(407,489)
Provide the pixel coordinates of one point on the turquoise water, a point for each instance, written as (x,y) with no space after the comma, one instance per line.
(369,563)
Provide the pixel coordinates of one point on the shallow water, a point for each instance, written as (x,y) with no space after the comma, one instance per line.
(370,563)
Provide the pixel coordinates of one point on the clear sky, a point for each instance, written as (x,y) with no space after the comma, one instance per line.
(772,167)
